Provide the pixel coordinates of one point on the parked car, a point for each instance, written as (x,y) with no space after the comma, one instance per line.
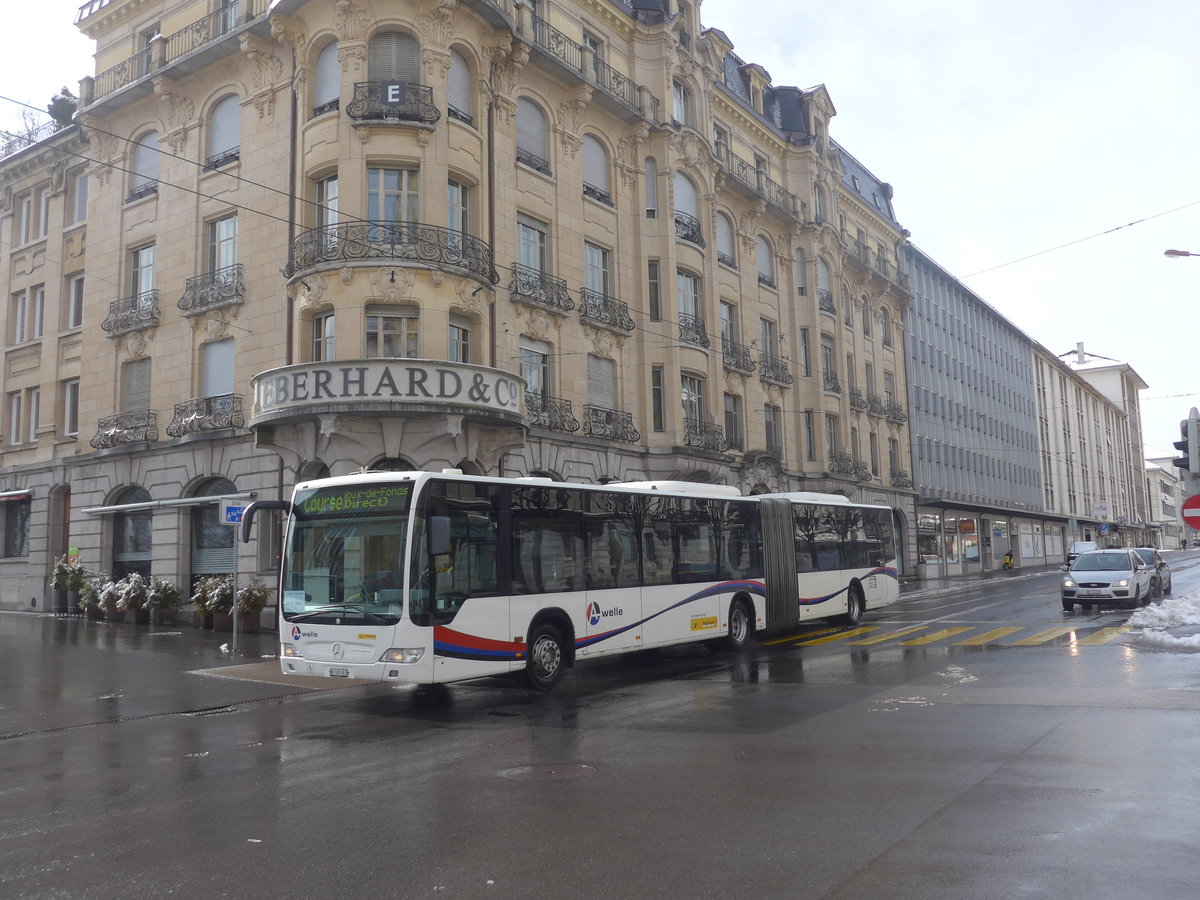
(1079,547)
(1106,577)
(1162,571)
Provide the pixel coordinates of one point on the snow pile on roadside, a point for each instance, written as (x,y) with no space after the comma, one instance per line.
(1168,613)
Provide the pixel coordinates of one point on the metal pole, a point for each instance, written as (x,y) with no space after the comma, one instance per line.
(235,593)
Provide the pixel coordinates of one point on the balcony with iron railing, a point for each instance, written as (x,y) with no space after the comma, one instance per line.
(135,313)
(830,382)
(841,463)
(687,228)
(875,405)
(737,356)
(599,309)
(610,423)
(825,302)
(207,414)
(533,161)
(536,288)
(901,478)
(393,101)
(704,435)
(775,369)
(213,290)
(398,243)
(692,331)
(126,428)
(753,181)
(16,142)
(860,471)
(858,400)
(894,412)
(551,413)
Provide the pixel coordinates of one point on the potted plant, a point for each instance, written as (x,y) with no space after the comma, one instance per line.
(108,592)
(131,597)
(200,597)
(219,601)
(250,602)
(162,597)
(67,581)
(89,595)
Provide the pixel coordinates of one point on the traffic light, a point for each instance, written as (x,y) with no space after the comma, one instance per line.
(1189,443)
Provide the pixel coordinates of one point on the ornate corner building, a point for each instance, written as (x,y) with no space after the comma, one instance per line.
(575,239)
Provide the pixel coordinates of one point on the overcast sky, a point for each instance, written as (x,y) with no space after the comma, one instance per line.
(1006,129)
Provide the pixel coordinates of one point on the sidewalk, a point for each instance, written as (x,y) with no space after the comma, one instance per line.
(924,587)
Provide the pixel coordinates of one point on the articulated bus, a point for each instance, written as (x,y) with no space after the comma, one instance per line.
(428,578)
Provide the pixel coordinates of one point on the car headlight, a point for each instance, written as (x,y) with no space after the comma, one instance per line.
(1124,582)
(406,655)
(1068,583)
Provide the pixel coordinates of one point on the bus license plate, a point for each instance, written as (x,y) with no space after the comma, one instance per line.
(339,673)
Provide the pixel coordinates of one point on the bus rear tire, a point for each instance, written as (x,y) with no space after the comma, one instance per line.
(547,659)
(854,606)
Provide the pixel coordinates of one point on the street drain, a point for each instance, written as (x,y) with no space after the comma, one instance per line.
(211,711)
(549,773)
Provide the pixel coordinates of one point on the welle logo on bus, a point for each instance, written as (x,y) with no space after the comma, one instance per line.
(595,613)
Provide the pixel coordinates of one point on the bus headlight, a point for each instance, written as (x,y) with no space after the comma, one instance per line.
(290,650)
(405,655)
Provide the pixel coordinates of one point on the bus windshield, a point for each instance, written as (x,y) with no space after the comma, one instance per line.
(345,554)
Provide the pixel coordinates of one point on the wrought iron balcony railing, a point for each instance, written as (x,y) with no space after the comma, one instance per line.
(901,478)
(775,368)
(401,101)
(687,228)
(601,310)
(831,383)
(126,428)
(894,412)
(532,160)
(634,96)
(132,314)
(858,400)
(530,285)
(737,356)
(875,406)
(610,423)
(841,463)
(598,194)
(704,435)
(395,242)
(213,290)
(825,302)
(202,414)
(211,27)
(552,413)
(691,330)
(861,471)
(552,41)
(733,438)
(755,179)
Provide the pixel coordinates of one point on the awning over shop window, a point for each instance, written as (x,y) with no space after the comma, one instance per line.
(5,496)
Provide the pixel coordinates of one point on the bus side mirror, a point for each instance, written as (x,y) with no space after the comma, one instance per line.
(439,535)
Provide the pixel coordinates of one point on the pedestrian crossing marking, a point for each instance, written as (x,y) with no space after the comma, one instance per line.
(1042,636)
(987,637)
(853,632)
(887,637)
(936,636)
(799,635)
(1104,635)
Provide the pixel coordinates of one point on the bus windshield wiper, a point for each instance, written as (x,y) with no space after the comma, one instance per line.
(324,610)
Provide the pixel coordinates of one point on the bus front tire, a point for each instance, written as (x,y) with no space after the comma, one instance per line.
(854,607)
(547,659)
(740,627)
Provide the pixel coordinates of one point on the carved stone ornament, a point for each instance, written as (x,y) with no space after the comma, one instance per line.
(602,342)
(437,65)
(537,324)
(472,298)
(216,324)
(180,108)
(268,67)
(436,25)
(312,290)
(132,346)
(351,58)
(350,20)
(392,285)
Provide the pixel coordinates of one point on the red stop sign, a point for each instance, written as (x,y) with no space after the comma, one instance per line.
(1191,511)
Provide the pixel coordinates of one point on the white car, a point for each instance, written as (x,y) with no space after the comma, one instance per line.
(1107,577)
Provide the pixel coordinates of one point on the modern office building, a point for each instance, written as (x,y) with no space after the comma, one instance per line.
(581,240)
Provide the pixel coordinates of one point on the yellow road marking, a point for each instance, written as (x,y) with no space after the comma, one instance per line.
(799,635)
(1104,635)
(835,637)
(936,636)
(1042,636)
(987,637)
(887,637)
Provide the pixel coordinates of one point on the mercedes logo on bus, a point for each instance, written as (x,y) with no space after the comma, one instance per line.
(338,652)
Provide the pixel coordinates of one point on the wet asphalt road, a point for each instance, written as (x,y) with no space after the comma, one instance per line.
(826,766)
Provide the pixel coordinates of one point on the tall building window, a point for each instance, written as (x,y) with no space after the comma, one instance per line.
(532,250)
(773,422)
(805,358)
(688,292)
(726,249)
(595,170)
(33,401)
(458,207)
(70,407)
(135,386)
(394,56)
(14,417)
(144,166)
(37,310)
(651,187)
(598,271)
(810,435)
(16,527)
(657,399)
(766,263)
(41,201)
(535,366)
(224,132)
(729,323)
(77,198)
(458,89)
(692,396)
(893,455)
(873,439)
(326,201)
(392,195)
(323,336)
(831,434)
(222,243)
(531,136)
(654,298)
(733,421)
(602,382)
(19,318)
(327,85)
(392,335)
(459,349)
(141,274)
(681,103)
(217,368)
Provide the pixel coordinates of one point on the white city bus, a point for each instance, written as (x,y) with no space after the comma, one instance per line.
(429,578)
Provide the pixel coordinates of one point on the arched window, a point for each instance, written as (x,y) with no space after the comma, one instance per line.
(651,187)
(595,170)
(132,535)
(394,56)
(801,273)
(681,103)
(866,317)
(327,87)
(766,265)
(819,203)
(458,89)
(212,540)
(144,166)
(726,250)
(687,211)
(391,464)
(531,136)
(885,326)
(824,293)
(224,132)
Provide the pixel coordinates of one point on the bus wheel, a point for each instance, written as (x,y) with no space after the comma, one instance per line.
(740,626)
(854,606)
(546,661)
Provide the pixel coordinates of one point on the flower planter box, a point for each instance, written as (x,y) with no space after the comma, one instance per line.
(224,622)
(94,613)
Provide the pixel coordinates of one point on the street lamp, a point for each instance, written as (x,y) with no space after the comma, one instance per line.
(1177,253)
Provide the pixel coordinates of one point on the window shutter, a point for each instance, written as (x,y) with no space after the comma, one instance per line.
(145,159)
(137,386)
(394,56)
(595,163)
(685,195)
(329,76)
(216,368)
(531,128)
(651,184)
(601,377)
(458,83)
(225,132)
